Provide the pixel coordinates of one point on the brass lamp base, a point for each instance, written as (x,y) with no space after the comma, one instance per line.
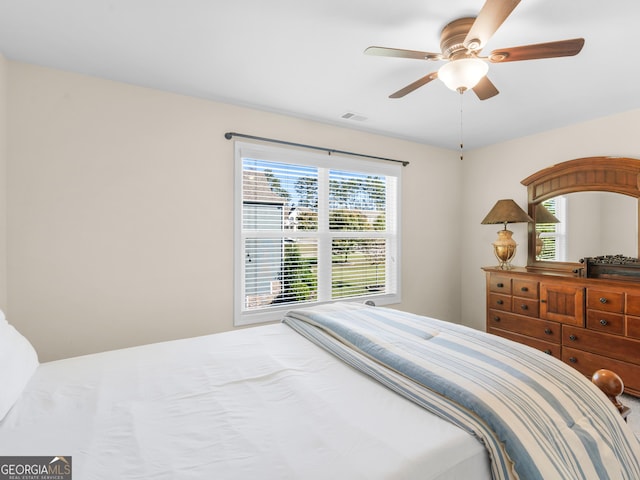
(539,244)
(504,249)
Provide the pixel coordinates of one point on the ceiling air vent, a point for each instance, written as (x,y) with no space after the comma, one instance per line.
(354,116)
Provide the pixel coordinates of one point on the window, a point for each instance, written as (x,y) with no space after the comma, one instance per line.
(553,235)
(312,228)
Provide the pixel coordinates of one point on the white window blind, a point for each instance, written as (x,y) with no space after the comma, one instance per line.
(312,228)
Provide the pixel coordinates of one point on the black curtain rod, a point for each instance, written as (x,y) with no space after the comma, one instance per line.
(230,135)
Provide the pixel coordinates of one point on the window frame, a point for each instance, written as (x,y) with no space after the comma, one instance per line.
(324,162)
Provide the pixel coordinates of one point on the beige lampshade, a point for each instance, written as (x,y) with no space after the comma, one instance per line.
(545,216)
(506,211)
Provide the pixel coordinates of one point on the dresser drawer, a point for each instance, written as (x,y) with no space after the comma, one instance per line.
(533,327)
(500,302)
(524,288)
(614,346)
(606,300)
(500,284)
(588,363)
(605,322)
(633,327)
(546,347)
(525,306)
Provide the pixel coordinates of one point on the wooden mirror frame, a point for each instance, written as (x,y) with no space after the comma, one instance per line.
(607,174)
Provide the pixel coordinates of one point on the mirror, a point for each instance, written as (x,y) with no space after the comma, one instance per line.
(589,224)
(597,200)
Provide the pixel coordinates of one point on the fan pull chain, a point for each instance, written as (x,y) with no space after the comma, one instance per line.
(461,130)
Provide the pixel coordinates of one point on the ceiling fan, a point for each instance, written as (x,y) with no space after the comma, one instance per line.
(461,42)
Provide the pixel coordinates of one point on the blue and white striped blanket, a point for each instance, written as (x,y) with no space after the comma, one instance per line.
(538,418)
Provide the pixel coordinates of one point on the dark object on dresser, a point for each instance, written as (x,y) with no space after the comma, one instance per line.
(612,266)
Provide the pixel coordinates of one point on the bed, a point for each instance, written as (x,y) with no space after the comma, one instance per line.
(305,398)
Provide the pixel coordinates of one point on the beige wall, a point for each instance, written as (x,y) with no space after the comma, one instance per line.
(120,211)
(3,182)
(119,219)
(495,172)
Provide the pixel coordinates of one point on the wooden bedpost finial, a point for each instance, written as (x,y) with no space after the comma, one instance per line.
(611,384)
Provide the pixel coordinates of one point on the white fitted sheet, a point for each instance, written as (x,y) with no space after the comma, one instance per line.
(260,403)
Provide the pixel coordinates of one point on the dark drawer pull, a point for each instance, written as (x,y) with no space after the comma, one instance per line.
(542,300)
(524,289)
(548,331)
(603,322)
(573,359)
(573,338)
(547,351)
(500,285)
(524,307)
(499,302)
(603,300)
(496,319)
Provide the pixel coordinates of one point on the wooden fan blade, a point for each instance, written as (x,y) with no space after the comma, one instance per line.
(563,48)
(485,89)
(399,53)
(492,15)
(415,85)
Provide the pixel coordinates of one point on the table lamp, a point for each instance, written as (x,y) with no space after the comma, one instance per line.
(505,211)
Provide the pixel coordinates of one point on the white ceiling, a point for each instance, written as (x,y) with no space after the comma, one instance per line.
(305,58)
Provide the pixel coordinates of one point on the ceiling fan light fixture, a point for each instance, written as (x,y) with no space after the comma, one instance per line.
(463,74)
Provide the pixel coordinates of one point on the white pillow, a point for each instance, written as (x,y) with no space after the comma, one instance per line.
(18,362)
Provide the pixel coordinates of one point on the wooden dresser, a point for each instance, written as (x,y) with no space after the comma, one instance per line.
(589,323)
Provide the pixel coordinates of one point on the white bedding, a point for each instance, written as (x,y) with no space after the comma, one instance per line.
(256,403)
